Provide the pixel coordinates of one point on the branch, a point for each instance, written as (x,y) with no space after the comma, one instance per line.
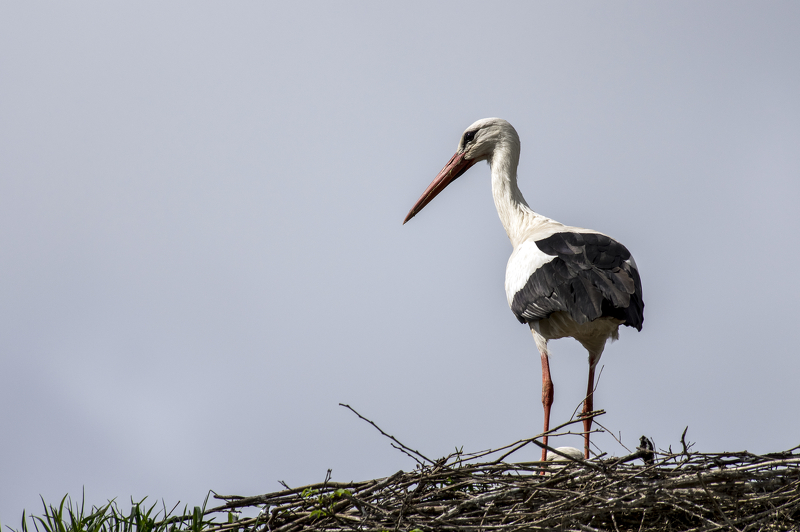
(409,451)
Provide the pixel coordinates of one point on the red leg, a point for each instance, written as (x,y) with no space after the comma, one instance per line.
(588,405)
(547,397)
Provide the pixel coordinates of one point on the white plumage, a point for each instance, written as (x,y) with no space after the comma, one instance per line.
(525,259)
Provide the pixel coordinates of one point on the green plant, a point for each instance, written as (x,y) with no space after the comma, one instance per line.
(323,503)
(69,517)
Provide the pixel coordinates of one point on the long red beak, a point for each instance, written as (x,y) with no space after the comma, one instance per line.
(452,170)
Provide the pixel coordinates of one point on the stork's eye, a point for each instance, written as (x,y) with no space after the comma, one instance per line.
(468,136)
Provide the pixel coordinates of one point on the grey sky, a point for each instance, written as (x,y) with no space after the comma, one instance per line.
(201,250)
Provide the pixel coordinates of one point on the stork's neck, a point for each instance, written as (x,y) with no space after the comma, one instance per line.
(512,208)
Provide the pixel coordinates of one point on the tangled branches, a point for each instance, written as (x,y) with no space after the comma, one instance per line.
(671,491)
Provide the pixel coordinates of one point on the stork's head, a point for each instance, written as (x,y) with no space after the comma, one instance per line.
(478,143)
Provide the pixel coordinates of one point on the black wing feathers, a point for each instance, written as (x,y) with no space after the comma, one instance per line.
(589,278)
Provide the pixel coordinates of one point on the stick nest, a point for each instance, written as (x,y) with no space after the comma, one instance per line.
(467,492)
(724,491)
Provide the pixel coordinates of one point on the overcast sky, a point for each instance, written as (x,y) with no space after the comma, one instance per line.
(201,249)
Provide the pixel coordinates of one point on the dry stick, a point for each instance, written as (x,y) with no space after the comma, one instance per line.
(410,450)
(519,444)
(488,507)
(644,512)
(586,527)
(629,458)
(683,441)
(407,454)
(744,520)
(594,388)
(771,463)
(622,480)
(523,443)
(420,485)
(677,506)
(758,515)
(612,435)
(402,509)
(716,504)
(614,520)
(361,488)
(571,458)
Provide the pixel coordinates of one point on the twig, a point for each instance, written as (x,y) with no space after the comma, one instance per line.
(523,443)
(408,449)
(683,441)
(612,435)
(716,504)
(594,388)
(571,458)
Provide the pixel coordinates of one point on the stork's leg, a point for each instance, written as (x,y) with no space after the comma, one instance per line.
(547,397)
(588,406)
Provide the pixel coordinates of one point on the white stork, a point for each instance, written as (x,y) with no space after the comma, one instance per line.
(562,281)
